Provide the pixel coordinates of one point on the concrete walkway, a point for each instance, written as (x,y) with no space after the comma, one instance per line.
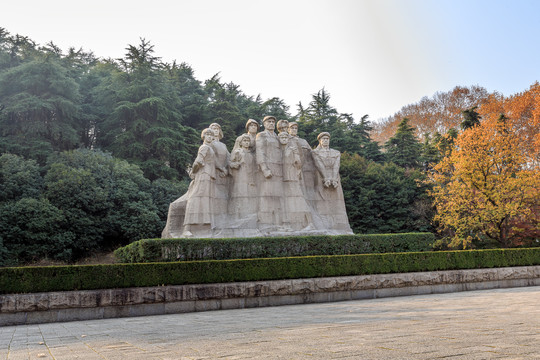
(488,324)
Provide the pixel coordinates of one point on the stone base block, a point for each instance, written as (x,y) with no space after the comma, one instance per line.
(37,308)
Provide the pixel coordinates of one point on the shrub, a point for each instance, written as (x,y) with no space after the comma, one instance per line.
(150,250)
(33,229)
(65,278)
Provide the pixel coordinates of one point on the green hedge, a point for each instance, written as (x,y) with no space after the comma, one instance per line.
(152,250)
(87,277)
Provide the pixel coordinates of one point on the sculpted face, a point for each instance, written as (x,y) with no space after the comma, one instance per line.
(208,137)
(283,138)
(252,128)
(215,129)
(282,125)
(293,130)
(245,142)
(270,124)
(324,141)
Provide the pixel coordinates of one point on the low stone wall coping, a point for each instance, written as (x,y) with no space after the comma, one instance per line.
(15,308)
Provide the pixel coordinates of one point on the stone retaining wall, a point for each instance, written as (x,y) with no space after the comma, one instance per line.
(35,308)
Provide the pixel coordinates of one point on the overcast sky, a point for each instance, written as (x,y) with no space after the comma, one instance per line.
(372,56)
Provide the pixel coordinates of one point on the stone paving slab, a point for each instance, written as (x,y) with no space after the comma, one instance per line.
(487,324)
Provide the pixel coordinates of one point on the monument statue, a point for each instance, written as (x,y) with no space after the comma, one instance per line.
(269,185)
(222,180)
(307,180)
(242,206)
(200,204)
(297,214)
(269,160)
(331,203)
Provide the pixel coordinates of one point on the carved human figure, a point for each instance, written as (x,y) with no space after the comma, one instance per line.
(252,127)
(282,126)
(222,179)
(297,214)
(327,161)
(270,185)
(222,154)
(292,165)
(331,204)
(242,203)
(199,206)
(307,180)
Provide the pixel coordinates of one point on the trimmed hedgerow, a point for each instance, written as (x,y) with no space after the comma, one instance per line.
(88,277)
(152,250)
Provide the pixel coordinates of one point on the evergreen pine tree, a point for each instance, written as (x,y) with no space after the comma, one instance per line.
(404,149)
(145,121)
(41,106)
(470,118)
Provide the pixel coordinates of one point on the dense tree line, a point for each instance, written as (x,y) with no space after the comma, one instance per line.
(93,150)
(80,202)
(487,188)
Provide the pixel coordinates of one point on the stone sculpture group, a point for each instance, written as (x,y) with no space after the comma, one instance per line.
(270,185)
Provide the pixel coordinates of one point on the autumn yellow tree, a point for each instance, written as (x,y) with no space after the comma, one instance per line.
(488,188)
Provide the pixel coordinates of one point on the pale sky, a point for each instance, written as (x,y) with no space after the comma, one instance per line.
(372,56)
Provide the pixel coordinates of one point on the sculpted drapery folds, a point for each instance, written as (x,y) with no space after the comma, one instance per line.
(327,161)
(222,154)
(331,204)
(270,185)
(199,207)
(270,162)
(297,214)
(222,180)
(307,175)
(243,187)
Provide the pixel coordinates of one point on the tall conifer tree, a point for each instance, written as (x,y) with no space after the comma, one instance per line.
(145,123)
(404,149)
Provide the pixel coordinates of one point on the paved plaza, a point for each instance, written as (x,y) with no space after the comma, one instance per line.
(488,324)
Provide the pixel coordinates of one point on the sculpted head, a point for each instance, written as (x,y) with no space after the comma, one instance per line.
(217,130)
(282,125)
(269,123)
(324,139)
(245,141)
(284,138)
(207,135)
(293,128)
(252,126)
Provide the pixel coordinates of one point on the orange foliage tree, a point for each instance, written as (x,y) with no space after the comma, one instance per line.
(430,115)
(488,187)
